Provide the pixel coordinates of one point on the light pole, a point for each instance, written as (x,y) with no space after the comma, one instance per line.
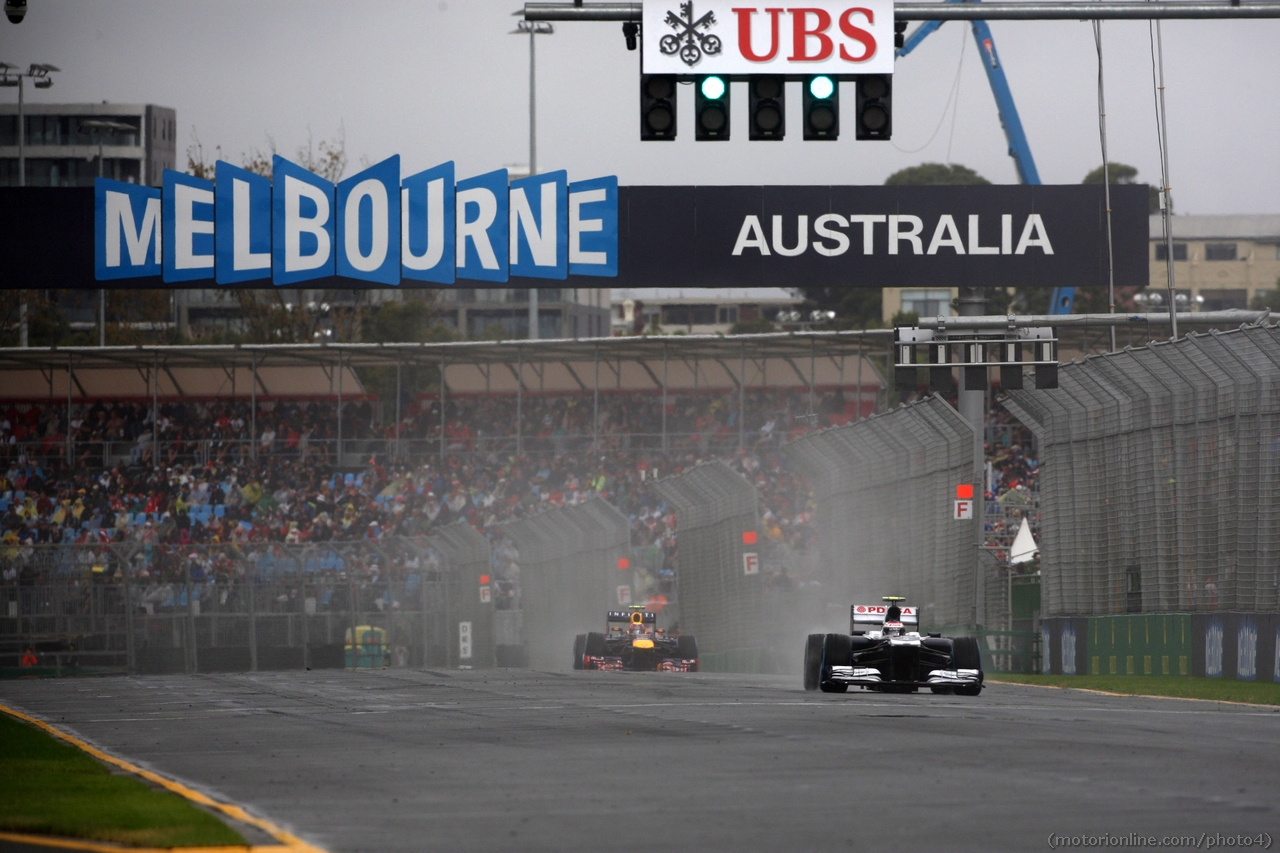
(99,128)
(11,76)
(533,28)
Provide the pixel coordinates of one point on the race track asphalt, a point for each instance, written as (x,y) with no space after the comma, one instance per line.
(501,760)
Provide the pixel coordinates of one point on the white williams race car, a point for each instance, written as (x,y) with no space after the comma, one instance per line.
(885,651)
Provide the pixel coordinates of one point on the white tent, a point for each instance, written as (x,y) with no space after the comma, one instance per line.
(1024,545)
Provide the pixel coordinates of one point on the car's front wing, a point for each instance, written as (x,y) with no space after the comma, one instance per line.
(611,663)
(866,676)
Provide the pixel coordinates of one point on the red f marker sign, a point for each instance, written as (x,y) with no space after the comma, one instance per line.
(963,508)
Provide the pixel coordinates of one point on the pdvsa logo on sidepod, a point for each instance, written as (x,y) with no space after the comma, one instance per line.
(374,226)
(722,37)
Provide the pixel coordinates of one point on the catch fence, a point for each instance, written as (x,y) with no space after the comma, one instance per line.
(574,566)
(205,608)
(1158,472)
(719,575)
(884,488)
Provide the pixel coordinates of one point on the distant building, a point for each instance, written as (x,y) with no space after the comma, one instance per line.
(481,313)
(924,301)
(61,152)
(697,311)
(1224,259)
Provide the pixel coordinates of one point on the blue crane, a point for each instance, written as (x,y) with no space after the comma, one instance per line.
(1063,297)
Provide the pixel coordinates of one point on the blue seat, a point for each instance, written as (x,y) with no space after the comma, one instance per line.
(140,519)
(220,510)
(4,504)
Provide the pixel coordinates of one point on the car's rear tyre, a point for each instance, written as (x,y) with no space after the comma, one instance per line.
(579,649)
(594,645)
(966,655)
(837,650)
(812,661)
(687,649)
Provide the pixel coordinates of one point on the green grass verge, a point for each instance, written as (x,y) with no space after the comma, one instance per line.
(1214,689)
(48,787)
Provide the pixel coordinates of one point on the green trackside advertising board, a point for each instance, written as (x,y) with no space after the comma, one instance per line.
(1158,644)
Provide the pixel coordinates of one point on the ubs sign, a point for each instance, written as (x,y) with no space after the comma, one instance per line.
(374,226)
(718,37)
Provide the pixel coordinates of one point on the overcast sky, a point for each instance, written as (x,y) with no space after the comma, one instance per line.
(434,80)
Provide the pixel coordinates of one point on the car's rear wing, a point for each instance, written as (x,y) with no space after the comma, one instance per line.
(647,617)
(873,614)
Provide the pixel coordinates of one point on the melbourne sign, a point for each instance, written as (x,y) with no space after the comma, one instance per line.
(719,37)
(374,226)
(248,231)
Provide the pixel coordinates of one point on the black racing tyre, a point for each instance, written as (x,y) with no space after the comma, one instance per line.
(579,649)
(945,690)
(594,646)
(686,647)
(966,655)
(812,661)
(836,651)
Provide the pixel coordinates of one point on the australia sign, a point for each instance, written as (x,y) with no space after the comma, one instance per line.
(718,37)
(374,226)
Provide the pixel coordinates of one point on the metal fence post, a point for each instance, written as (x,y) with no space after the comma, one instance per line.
(519,401)
(355,620)
(306,628)
(191,622)
(426,634)
(70,438)
(664,396)
(253,407)
(131,654)
(595,405)
(338,458)
(444,422)
(253,625)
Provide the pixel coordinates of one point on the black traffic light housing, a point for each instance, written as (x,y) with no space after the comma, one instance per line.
(766,98)
(711,108)
(657,106)
(874,106)
(821,107)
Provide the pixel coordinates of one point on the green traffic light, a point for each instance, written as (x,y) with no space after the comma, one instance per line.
(713,88)
(822,87)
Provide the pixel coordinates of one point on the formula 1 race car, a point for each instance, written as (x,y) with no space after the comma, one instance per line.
(881,654)
(632,641)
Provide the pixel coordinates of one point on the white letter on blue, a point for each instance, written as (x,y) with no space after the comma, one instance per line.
(126,216)
(242,211)
(482,227)
(428,220)
(301,224)
(369,223)
(188,227)
(593,227)
(539,226)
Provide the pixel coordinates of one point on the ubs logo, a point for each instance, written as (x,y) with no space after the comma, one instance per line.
(688,39)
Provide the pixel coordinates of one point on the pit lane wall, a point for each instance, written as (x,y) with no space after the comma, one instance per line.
(1243,646)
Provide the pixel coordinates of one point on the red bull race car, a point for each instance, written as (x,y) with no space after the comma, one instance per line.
(885,651)
(633,641)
